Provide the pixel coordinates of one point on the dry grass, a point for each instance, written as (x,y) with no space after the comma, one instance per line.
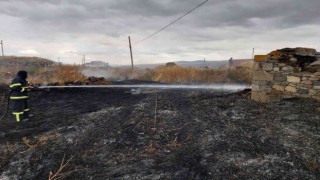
(312,164)
(128,73)
(247,64)
(11,147)
(174,144)
(42,75)
(6,74)
(33,144)
(59,174)
(151,148)
(6,153)
(177,74)
(67,73)
(63,74)
(239,75)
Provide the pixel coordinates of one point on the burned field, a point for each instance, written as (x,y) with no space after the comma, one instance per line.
(164,134)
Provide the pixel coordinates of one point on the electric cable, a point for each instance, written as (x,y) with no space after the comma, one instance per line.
(171,22)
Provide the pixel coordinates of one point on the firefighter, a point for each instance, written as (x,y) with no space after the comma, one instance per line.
(19,96)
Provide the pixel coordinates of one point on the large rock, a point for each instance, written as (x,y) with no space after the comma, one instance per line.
(299,58)
(279,78)
(293,79)
(257,66)
(267,66)
(261,83)
(278,87)
(291,89)
(299,50)
(261,58)
(262,76)
(316,63)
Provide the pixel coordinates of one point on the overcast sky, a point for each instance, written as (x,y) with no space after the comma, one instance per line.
(218,30)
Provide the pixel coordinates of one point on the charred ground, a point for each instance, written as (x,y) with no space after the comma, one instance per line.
(164,134)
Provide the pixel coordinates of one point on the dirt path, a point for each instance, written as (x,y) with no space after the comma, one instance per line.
(171,134)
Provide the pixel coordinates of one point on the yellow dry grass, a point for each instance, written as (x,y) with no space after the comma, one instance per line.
(247,64)
(33,144)
(67,73)
(39,75)
(177,74)
(168,74)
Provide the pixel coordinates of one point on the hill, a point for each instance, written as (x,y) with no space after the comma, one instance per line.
(97,64)
(13,61)
(195,64)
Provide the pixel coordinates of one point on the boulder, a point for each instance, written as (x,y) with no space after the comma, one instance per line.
(316,63)
(299,58)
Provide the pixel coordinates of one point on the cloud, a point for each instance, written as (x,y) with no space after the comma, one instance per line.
(28,52)
(101,28)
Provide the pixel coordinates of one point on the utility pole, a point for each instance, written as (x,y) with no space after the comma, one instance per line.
(2,48)
(130,52)
(131,56)
(252,53)
(84,60)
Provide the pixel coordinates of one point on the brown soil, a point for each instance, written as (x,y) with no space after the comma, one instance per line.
(166,134)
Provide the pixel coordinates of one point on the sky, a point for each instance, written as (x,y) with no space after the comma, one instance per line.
(218,30)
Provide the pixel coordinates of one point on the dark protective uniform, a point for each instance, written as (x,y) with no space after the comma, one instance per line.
(19,96)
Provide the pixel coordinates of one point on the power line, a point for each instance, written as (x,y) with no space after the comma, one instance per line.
(171,23)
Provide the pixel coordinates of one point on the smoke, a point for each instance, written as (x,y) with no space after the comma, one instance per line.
(106,73)
(218,87)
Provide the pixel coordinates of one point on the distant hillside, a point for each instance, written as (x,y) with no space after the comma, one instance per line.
(195,64)
(200,63)
(97,64)
(10,61)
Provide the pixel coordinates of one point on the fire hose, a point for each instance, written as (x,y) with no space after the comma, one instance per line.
(7,107)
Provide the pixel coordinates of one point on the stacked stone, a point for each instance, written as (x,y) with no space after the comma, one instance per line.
(276,75)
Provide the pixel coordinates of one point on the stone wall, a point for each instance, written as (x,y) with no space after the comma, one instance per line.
(286,73)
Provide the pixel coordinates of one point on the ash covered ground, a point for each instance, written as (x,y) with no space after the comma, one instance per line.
(164,134)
